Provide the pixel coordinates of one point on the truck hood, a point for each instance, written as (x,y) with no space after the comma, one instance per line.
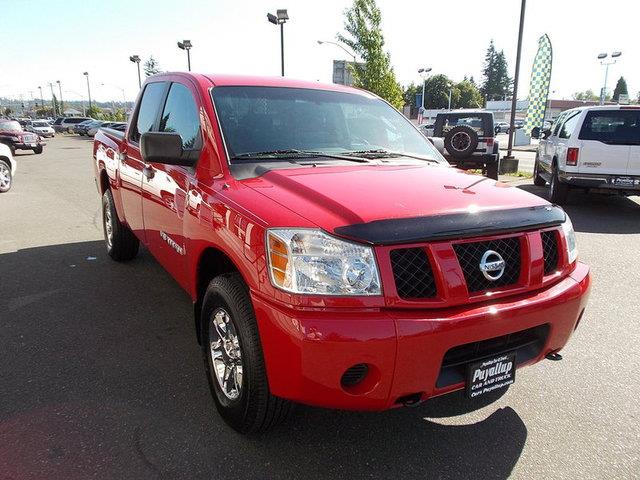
(332,197)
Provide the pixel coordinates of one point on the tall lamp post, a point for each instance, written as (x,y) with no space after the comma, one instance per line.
(60,90)
(41,97)
(136,59)
(424,74)
(351,54)
(514,100)
(86,74)
(603,61)
(53,104)
(186,45)
(280,18)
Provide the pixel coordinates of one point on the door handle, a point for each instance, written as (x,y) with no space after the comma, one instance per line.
(149,172)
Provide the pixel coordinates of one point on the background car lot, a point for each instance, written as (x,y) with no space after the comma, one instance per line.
(87,394)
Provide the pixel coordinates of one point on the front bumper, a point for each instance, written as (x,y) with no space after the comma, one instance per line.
(28,146)
(307,351)
(606,182)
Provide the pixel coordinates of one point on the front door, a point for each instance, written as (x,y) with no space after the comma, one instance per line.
(165,186)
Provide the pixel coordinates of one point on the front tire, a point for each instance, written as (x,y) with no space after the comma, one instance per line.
(122,244)
(5,177)
(233,358)
(558,191)
(38,150)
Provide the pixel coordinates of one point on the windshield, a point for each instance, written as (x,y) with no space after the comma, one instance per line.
(39,124)
(12,126)
(270,119)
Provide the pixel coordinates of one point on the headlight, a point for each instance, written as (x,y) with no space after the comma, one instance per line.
(312,262)
(570,238)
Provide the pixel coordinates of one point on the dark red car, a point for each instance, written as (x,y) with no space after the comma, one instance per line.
(333,257)
(13,135)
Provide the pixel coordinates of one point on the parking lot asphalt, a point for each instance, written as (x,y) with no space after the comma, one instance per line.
(101,375)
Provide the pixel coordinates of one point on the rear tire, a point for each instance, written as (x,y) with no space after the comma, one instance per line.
(558,191)
(122,244)
(231,344)
(538,181)
(461,141)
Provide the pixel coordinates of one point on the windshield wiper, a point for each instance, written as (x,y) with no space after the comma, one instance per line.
(295,154)
(381,153)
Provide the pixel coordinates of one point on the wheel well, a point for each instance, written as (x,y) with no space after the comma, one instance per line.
(6,160)
(213,262)
(104,181)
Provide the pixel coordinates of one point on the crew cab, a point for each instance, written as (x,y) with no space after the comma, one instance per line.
(596,149)
(333,257)
(13,136)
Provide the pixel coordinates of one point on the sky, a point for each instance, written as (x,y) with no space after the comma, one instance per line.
(48,40)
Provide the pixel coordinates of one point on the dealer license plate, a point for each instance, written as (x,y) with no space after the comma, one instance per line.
(491,374)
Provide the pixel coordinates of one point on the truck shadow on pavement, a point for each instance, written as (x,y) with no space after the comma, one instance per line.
(593,213)
(102,376)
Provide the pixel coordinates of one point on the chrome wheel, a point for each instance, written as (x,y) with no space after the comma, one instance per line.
(5,176)
(108,227)
(226,354)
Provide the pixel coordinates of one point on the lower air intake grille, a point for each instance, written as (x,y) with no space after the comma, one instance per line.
(412,273)
(550,251)
(470,254)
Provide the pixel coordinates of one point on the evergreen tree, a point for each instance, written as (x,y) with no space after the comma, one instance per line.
(151,66)
(496,83)
(362,23)
(621,88)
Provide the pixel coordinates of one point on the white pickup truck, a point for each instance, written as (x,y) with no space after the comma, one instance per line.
(592,148)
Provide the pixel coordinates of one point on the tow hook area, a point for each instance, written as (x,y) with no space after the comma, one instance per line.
(553,356)
(412,400)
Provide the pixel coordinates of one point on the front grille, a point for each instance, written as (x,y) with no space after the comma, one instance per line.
(470,254)
(550,251)
(412,273)
(527,344)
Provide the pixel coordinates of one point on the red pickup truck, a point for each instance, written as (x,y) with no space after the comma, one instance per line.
(333,257)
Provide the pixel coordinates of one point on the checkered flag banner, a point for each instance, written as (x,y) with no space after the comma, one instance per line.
(539,86)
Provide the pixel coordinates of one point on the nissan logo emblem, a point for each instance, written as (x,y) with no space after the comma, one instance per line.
(492,265)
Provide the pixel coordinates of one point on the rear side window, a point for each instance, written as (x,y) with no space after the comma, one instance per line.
(569,125)
(148,110)
(616,127)
(180,115)
(475,122)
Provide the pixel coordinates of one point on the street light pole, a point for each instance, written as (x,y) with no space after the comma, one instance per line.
(53,104)
(86,74)
(514,100)
(41,97)
(351,54)
(186,45)
(423,73)
(136,59)
(280,18)
(60,90)
(601,57)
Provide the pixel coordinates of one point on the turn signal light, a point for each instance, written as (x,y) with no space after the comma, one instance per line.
(572,156)
(279,256)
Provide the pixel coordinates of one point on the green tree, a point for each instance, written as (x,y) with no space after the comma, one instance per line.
(586,95)
(621,88)
(374,73)
(94,112)
(468,95)
(151,66)
(496,83)
(436,92)
(56,106)
(7,112)
(410,92)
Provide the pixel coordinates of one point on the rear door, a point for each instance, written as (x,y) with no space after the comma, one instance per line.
(131,164)
(606,139)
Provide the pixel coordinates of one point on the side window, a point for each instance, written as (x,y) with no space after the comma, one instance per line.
(148,110)
(180,115)
(556,126)
(569,125)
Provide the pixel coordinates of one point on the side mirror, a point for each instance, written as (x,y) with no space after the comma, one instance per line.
(546,133)
(535,132)
(165,147)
